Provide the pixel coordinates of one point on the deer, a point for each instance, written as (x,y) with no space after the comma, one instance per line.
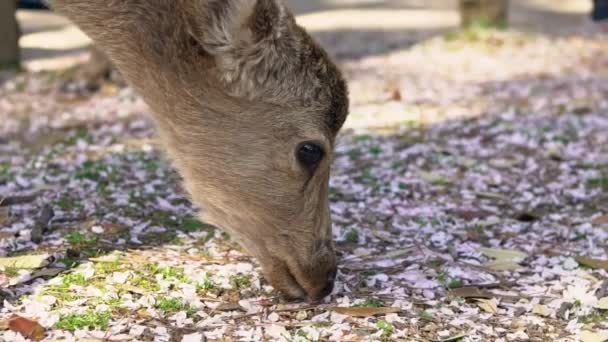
(247,107)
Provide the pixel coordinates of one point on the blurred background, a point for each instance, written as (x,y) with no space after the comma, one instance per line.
(473,124)
(50,41)
(355,30)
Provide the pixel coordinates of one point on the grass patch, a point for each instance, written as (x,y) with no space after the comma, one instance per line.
(190,225)
(376,150)
(240,281)
(66,203)
(596,316)
(77,238)
(173,305)
(88,320)
(448,281)
(169,272)
(598,182)
(92,170)
(74,279)
(370,303)
(352,236)
(386,328)
(207,285)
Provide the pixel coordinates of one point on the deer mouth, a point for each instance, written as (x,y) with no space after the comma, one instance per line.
(297,284)
(312,289)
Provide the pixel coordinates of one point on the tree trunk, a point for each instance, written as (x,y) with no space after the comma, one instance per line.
(9,34)
(489,13)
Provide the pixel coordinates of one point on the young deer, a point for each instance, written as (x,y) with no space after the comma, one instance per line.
(248,107)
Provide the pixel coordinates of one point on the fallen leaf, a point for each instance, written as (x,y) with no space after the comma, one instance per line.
(594,336)
(46,272)
(592,263)
(541,310)
(25,261)
(488,305)
(503,265)
(229,307)
(114,227)
(493,196)
(364,312)
(602,304)
(600,220)
(4,215)
(470,292)
(26,327)
(454,338)
(503,163)
(434,178)
(503,254)
(525,216)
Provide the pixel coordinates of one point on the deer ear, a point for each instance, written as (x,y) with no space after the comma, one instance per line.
(224,26)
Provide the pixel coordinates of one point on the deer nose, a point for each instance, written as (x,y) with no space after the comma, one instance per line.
(329,286)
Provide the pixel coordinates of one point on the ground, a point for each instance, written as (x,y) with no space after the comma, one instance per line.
(469,197)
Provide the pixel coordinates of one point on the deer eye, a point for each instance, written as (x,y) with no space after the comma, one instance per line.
(309,154)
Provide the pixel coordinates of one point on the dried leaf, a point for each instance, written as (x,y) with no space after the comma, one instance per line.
(602,304)
(541,310)
(454,338)
(503,265)
(4,215)
(492,196)
(488,305)
(25,261)
(503,254)
(503,163)
(592,263)
(470,292)
(46,272)
(229,307)
(594,336)
(433,178)
(600,220)
(26,327)
(364,312)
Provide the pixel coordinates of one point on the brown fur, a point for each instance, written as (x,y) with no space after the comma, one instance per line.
(235,86)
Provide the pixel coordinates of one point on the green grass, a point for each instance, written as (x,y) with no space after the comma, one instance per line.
(207,285)
(352,236)
(82,133)
(598,182)
(191,225)
(173,305)
(91,170)
(596,316)
(449,282)
(77,238)
(375,150)
(145,282)
(74,279)
(88,320)
(66,203)
(386,328)
(169,272)
(240,281)
(370,303)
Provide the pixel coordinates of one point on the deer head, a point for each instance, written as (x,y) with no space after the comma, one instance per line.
(248,107)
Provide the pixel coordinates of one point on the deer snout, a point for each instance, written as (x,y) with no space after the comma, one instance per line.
(327,288)
(318,279)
